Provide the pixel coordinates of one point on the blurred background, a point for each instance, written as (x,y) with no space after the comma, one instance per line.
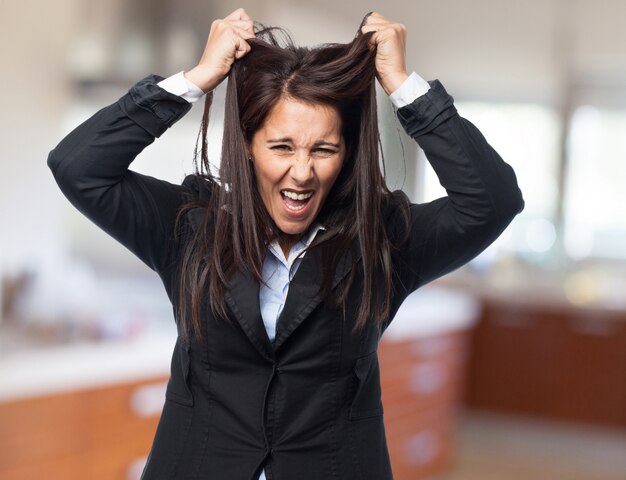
(511,367)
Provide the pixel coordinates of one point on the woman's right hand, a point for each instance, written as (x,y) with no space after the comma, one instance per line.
(226,43)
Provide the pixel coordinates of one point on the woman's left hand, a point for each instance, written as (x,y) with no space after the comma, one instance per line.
(390,42)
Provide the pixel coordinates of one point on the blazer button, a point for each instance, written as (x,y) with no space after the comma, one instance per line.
(278,369)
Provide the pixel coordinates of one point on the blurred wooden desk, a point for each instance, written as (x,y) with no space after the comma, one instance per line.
(82,412)
(93,434)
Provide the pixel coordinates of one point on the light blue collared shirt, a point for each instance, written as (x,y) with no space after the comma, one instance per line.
(277,273)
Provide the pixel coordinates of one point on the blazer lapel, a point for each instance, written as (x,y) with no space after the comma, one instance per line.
(242,296)
(302,297)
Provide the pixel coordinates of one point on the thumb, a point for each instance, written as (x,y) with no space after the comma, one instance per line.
(241,48)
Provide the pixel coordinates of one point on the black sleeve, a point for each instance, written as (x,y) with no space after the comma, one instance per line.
(90,165)
(482,192)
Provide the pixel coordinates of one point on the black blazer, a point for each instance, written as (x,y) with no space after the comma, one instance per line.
(309,406)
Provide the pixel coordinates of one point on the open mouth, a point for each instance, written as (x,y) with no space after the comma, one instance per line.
(296,201)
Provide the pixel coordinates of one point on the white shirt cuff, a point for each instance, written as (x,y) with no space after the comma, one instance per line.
(414,86)
(180,85)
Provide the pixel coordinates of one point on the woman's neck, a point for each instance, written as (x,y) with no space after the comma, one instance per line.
(286,242)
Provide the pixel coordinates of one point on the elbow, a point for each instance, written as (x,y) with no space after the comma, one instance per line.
(508,200)
(55,163)
(511,207)
(516,203)
(519,206)
(52,162)
(58,165)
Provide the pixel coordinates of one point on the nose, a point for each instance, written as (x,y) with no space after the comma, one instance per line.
(301,170)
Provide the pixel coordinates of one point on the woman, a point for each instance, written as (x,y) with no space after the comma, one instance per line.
(285,270)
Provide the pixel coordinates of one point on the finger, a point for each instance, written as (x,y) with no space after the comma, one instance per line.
(239,14)
(237,31)
(385,29)
(373,28)
(242,49)
(243,33)
(375,38)
(246,25)
(378,21)
(380,34)
(375,17)
(369,28)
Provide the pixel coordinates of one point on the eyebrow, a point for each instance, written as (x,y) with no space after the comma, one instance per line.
(289,140)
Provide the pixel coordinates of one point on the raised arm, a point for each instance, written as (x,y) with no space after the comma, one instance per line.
(91,163)
(483,195)
(91,167)
(482,198)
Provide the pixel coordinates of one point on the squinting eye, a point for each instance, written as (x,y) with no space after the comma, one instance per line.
(325,151)
(280,147)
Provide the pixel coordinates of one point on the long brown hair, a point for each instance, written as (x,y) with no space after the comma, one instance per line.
(236,227)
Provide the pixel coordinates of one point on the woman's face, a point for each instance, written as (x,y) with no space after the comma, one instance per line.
(297,155)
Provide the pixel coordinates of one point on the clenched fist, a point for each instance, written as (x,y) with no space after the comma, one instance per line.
(226,43)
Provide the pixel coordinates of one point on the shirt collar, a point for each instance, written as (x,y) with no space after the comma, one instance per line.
(300,245)
(308,238)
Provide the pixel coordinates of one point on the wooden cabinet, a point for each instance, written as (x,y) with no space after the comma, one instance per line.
(422,381)
(556,362)
(95,434)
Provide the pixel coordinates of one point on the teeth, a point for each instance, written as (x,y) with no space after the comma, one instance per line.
(296,196)
(295,209)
